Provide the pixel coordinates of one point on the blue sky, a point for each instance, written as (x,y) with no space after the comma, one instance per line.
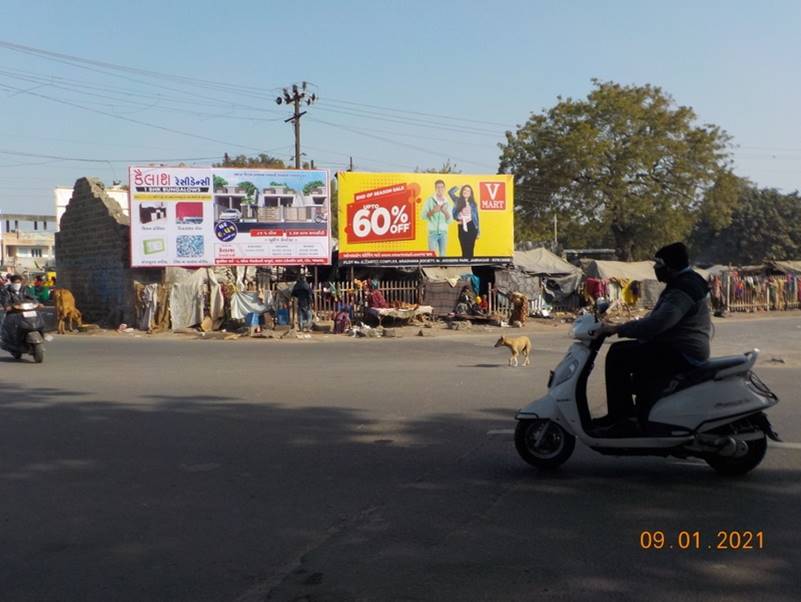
(463,71)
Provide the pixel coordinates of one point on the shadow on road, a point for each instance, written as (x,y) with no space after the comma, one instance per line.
(504,365)
(207,498)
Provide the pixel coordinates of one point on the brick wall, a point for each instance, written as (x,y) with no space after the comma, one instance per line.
(93,256)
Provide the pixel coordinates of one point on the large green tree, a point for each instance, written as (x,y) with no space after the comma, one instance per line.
(625,167)
(262,160)
(765,224)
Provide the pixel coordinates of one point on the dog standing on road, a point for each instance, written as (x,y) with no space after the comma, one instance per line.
(516,345)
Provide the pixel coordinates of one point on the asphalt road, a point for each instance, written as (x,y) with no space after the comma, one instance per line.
(135,468)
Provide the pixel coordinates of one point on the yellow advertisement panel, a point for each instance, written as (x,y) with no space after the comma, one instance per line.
(424,218)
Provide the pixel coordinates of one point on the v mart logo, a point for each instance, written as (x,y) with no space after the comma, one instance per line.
(492,196)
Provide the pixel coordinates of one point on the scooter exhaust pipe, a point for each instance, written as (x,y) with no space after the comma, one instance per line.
(731,447)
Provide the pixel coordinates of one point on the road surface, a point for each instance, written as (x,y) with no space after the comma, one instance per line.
(136,468)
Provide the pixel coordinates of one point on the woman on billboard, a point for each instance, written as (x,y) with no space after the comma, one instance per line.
(465,212)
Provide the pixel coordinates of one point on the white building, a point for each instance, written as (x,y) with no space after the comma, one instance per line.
(27,242)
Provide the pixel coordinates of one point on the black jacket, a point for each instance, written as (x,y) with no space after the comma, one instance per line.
(8,296)
(680,318)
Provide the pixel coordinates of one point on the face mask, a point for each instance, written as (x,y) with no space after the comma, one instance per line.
(16,286)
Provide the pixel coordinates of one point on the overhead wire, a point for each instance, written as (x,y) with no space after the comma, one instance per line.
(395,142)
(135,121)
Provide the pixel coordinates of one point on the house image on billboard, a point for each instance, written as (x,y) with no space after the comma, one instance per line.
(232,203)
(283,204)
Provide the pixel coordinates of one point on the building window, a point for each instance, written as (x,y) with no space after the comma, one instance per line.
(8,226)
(16,225)
(35,225)
(45,224)
(36,252)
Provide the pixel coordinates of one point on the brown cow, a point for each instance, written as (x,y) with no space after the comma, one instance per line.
(66,310)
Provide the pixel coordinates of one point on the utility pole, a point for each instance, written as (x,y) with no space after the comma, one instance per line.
(296,95)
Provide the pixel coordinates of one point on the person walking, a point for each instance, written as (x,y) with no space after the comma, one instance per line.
(303,293)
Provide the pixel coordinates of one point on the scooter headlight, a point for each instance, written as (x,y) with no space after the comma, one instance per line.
(564,372)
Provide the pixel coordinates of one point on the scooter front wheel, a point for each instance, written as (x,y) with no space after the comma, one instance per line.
(543,444)
(38,353)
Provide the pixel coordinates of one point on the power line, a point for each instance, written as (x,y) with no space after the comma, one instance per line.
(84,89)
(87,160)
(252,91)
(396,143)
(414,122)
(130,120)
(437,115)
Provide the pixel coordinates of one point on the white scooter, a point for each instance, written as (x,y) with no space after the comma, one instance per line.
(713,412)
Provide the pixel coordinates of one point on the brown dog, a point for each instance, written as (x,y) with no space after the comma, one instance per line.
(516,345)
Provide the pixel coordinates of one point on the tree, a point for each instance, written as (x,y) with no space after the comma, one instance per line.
(250,189)
(765,224)
(219,183)
(262,160)
(313,185)
(447,167)
(623,167)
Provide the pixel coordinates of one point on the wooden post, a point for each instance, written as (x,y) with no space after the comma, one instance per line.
(728,291)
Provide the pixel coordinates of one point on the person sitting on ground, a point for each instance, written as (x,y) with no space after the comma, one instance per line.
(672,338)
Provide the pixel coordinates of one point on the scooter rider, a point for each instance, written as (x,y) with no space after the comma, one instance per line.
(13,294)
(672,338)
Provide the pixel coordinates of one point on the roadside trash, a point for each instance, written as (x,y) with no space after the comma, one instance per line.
(777,360)
(48,338)
(122,327)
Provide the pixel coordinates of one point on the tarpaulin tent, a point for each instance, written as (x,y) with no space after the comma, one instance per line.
(187,299)
(451,275)
(542,276)
(542,261)
(624,271)
(786,267)
(630,270)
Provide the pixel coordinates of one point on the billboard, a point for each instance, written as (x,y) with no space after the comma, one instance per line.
(229,216)
(423,218)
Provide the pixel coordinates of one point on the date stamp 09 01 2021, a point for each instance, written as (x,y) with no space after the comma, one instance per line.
(695,540)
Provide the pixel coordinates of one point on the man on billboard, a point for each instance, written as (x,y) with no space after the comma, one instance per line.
(437,213)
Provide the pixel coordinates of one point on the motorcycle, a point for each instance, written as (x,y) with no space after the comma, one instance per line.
(30,336)
(714,412)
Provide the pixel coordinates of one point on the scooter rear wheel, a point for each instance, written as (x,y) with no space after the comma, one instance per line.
(732,467)
(556,444)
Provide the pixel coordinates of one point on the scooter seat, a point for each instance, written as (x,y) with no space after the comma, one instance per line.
(714,365)
(706,371)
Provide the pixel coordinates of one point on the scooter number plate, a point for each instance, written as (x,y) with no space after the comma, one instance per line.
(29,314)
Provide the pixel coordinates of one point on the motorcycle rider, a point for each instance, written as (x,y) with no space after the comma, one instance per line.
(672,338)
(13,294)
